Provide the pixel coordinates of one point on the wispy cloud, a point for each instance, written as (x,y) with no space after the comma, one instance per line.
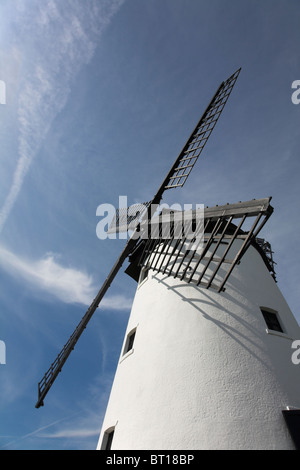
(56,39)
(117,302)
(68,433)
(84,428)
(68,284)
(77,430)
(35,432)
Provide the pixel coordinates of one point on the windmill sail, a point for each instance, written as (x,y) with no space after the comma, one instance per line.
(202,267)
(195,144)
(176,177)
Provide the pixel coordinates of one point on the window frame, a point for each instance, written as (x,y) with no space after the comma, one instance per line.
(269,329)
(128,346)
(108,437)
(144,275)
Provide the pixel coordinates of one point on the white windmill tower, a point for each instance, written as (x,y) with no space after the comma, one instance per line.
(206,359)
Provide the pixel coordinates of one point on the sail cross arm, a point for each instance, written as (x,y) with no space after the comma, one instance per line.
(223,226)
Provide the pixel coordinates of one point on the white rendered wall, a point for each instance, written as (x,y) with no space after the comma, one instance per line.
(204,372)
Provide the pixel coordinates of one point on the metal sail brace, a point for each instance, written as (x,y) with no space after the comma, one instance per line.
(268,253)
(226,240)
(128,219)
(195,144)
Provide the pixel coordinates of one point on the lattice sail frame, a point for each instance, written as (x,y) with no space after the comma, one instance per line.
(195,144)
(211,266)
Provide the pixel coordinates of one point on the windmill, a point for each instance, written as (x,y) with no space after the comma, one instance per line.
(176,177)
(168,261)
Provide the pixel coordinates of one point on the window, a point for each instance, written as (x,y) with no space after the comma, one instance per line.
(107,439)
(144,274)
(271,319)
(292,419)
(129,341)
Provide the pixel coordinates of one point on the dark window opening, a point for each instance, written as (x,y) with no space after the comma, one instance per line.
(292,419)
(129,342)
(107,439)
(271,320)
(144,274)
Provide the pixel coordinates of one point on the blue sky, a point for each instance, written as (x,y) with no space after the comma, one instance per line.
(101,95)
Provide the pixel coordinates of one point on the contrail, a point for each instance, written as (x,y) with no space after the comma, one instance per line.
(63,37)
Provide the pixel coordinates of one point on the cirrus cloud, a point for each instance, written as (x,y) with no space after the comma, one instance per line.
(65,283)
(61,38)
